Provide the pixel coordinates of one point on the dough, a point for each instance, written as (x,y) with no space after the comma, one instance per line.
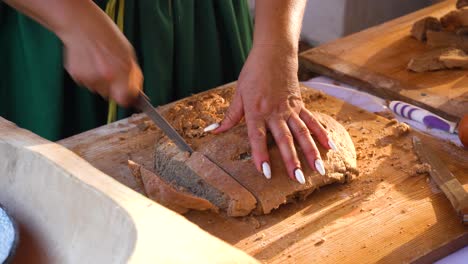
(230,149)
(231,152)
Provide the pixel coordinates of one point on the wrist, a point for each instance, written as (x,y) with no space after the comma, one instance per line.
(76,18)
(287,48)
(285,57)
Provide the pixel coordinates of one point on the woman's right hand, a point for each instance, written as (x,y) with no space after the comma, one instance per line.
(96,54)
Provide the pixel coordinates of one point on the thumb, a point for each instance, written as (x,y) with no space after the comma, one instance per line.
(233,115)
(125,90)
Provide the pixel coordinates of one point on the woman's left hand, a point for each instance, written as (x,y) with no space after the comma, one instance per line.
(268,95)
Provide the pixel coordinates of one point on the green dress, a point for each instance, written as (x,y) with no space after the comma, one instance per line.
(183,47)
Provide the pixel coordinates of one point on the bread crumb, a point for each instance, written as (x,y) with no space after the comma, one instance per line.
(260,237)
(386,113)
(401,129)
(319,242)
(252,220)
(391,122)
(190,116)
(419,169)
(144,126)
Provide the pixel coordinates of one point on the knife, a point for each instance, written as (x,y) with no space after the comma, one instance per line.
(143,103)
(422,116)
(450,186)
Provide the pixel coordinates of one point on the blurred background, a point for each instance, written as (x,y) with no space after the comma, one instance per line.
(326,20)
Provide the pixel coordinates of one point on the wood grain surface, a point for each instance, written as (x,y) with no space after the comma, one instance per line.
(375,60)
(67,211)
(389,214)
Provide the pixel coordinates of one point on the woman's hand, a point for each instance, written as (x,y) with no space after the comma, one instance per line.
(97,55)
(268,95)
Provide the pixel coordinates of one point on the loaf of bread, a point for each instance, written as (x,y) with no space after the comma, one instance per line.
(221,170)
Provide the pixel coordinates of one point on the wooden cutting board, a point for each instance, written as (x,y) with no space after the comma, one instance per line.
(375,61)
(387,215)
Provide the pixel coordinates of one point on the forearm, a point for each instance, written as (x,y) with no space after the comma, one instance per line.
(59,16)
(278,23)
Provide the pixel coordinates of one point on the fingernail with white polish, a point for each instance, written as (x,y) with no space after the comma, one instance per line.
(266,170)
(299,176)
(211,127)
(319,166)
(332,145)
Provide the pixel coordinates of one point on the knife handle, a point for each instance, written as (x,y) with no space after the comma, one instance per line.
(422,116)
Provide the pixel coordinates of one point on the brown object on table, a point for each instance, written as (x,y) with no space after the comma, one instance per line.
(172,197)
(445,180)
(455,19)
(419,29)
(463,130)
(419,169)
(68,211)
(454,59)
(202,178)
(439,59)
(462,3)
(429,61)
(463,31)
(443,39)
(454,35)
(386,215)
(375,60)
(340,165)
(231,152)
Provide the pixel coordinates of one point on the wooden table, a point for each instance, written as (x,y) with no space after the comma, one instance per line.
(67,211)
(387,215)
(375,60)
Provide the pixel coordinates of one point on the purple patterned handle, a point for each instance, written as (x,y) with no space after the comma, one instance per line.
(422,116)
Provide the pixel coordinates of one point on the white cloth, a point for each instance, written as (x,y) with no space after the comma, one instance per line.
(372,104)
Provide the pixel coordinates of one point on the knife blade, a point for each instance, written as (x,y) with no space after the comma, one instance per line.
(143,103)
(449,184)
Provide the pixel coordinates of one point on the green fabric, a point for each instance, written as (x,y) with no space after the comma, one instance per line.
(183,47)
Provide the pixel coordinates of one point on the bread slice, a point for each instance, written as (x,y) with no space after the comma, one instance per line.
(172,197)
(201,177)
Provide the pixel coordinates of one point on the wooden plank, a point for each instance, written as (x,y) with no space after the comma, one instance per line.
(387,215)
(70,212)
(375,60)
